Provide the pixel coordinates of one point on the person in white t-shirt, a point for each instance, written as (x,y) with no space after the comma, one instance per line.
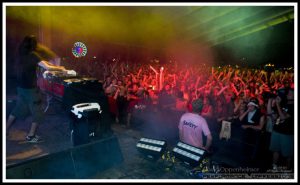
(192,125)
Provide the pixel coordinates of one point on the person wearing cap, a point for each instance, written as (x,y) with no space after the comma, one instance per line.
(252,118)
(253,121)
(192,126)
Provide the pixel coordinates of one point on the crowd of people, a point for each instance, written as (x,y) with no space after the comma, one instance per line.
(259,101)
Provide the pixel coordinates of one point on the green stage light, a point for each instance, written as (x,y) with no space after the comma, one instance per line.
(254,27)
(229,23)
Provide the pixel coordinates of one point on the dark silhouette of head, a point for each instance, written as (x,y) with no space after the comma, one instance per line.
(197,105)
(28,45)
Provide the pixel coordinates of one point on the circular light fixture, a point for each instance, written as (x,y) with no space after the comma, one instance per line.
(79,49)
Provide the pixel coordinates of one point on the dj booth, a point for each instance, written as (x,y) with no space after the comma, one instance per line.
(73,90)
(55,83)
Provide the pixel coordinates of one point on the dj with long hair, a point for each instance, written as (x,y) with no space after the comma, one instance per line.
(29,97)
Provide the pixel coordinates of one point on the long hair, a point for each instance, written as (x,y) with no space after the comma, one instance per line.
(28,45)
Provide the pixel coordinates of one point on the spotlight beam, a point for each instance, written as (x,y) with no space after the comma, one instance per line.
(222,13)
(260,27)
(229,24)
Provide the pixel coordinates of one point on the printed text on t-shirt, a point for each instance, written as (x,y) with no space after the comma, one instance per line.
(190,124)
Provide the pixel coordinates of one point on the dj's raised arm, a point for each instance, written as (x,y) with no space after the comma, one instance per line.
(50,67)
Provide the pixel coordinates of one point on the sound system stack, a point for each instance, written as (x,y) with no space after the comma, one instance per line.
(86,97)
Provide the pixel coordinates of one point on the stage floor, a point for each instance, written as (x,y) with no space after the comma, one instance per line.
(56,135)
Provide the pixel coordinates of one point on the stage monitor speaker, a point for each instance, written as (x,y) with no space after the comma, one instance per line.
(53,166)
(84,161)
(96,157)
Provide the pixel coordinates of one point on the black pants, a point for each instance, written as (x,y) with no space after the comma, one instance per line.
(253,138)
(122,104)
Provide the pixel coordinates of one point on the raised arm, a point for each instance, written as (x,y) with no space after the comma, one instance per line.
(279,108)
(244,114)
(50,67)
(234,89)
(221,91)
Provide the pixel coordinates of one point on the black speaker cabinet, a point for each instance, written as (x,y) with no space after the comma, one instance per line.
(84,161)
